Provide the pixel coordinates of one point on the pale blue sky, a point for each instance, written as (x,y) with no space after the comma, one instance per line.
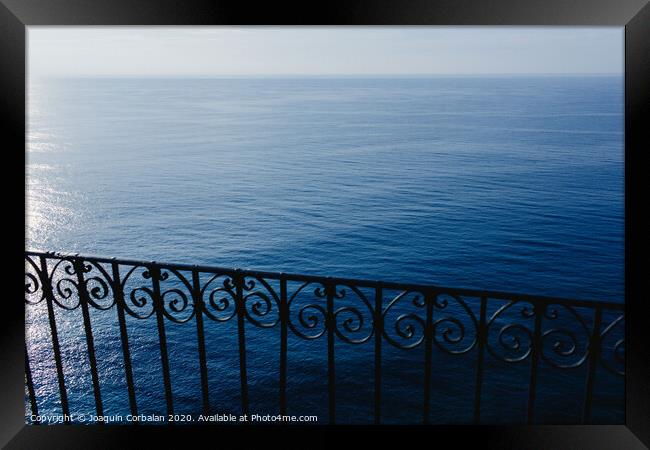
(253,51)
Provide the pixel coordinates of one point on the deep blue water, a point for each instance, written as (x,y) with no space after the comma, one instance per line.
(504,183)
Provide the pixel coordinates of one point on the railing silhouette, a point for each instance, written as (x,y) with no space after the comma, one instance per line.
(563,333)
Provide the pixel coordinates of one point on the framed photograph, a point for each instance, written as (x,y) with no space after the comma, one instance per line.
(397,220)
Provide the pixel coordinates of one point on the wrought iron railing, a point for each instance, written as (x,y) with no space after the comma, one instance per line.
(560,333)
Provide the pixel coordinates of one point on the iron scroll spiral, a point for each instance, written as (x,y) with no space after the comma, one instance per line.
(449,332)
(33,282)
(98,286)
(220,305)
(562,343)
(350,324)
(311,318)
(515,339)
(177,301)
(409,327)
(617,350)
(138,300)
(64,285)
(261,306)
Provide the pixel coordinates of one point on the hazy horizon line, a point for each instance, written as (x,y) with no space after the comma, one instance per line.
(325,75)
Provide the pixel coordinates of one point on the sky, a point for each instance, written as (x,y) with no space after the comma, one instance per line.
(276,51)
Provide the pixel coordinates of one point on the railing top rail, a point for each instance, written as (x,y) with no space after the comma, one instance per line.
(339,281)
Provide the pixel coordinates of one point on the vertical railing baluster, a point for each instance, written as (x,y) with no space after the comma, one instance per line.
(284,320)
(30,388)
(481,338)
(49,299)
(379,329)
(200,337)
(538,309)
(118,293)
(79,268)
(330,288)
(428,347)
(594,354)
(241,312)
(156,273)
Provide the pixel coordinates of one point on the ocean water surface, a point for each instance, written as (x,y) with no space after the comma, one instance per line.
(503,183)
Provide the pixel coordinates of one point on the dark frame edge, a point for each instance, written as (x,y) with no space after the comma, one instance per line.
(333,12)
(637,142)
(12,108)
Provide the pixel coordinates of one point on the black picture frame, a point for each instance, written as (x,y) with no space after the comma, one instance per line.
(634,15)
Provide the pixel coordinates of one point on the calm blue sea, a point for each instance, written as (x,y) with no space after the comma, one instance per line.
(505,183)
